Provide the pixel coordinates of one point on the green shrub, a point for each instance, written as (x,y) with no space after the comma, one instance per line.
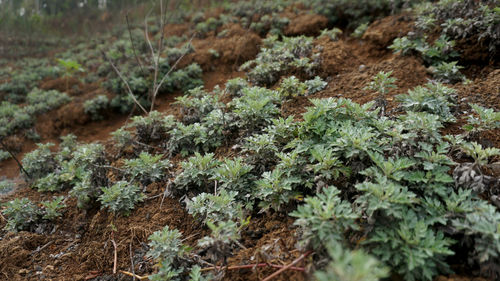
(235,86)
(40,162)
(277,57)
(4,155)
(121,197)
(167,250)
(333,33)
(215,208)
(292,87)
(448,72)
(51,208)
(96,106)
(21,213)
(6,186)
(360,30)
(346,265)
(485,119)
(152,127)
(147,168)
(197,104)
(40,101)
(324,218)
(255,108)
(197,173)
(433,98)
(464,19)
(315,85)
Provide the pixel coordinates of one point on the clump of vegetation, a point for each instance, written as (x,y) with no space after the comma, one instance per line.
(433,98)
(147,168)
(121,197)
(22,213)
(484,119)
(333,33)
(277,57)
(463,19)
(94,107)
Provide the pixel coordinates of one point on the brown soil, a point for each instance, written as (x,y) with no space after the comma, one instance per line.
(306,24)
(235,47)
(80,247)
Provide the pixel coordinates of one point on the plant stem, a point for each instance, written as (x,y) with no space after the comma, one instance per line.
(289,266)
(247,266)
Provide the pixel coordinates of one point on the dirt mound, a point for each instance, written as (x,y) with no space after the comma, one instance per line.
(382,32)
(306,24)
(176,29)
(336,56)
(235,46)
(350,84)
(70,85)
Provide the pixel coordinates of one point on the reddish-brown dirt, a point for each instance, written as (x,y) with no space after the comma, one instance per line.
(306,24)
(81,248)
(236,46)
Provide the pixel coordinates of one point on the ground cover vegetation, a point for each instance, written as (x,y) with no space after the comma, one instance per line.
(402,185)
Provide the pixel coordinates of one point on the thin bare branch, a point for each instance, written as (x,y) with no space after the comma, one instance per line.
(157,87)
(124,81)
(15,158)
(289,266)
(251,266)
(133,46)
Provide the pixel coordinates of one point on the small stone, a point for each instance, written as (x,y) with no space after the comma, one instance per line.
(362,67)
(23,271)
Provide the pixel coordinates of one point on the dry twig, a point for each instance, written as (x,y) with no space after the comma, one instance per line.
(289,266)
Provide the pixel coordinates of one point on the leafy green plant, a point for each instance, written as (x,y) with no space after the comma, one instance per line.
(70,68)
(40,101)
(349,265)
(315,85)
(6,186)
(331,33)
(277,57)
(485,119)
(292,87)
(360,30)
(412,249)
(235,85)
(219,207)
(222,237)
(94,107)
(197,172)
(4,155)
(482,231)
(121,197)
(448,72)
(197,104)
(234,174)
(433,98)
(255,108)
(323,218)
(147,168)
(382,82)
(40,162)
(167,249)
(21,213)
(51,208)
(152,127)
